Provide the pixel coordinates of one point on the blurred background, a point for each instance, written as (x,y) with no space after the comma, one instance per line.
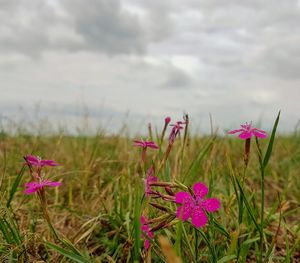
(103,63)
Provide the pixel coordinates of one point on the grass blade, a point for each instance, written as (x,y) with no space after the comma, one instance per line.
(271,142)
(15,186)
(68,254)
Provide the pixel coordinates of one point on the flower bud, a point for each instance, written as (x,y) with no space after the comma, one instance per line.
(167,120)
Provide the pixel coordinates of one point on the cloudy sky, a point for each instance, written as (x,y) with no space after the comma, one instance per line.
(238,60)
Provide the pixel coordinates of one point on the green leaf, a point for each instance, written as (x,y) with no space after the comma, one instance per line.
(68,254)
(249,241)
(15,186)
(248,205)
(178,238)
(227,258)
(271,142)
(137,227)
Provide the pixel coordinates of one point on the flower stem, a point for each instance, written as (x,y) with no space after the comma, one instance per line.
(247,151)
(167,153)
(262,212)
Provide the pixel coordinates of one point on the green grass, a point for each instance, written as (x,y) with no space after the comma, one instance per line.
(96,210)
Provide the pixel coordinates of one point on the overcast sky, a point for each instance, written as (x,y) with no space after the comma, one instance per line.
(238,60)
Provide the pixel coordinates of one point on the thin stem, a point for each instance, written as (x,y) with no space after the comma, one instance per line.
(262,212)
(167,153)
(163,134)
(44,206)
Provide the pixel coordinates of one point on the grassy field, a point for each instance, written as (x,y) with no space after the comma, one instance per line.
(94,216)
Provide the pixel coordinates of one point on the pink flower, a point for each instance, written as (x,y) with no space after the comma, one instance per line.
(146,232)
(39,162)
(247,131)
(167,120)
(145,144)
(195,206)
(175,130)
(149,179)
(33,187)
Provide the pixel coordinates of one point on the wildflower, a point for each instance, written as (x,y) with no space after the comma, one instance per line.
(33,187)
(195,206)
(146,232)
(39,162)
(175,131)
(149,179)
(247,131)
(145,144)
(39,183)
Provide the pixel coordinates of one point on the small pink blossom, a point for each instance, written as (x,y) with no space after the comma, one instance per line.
(195,206)
(145,144)
(33,187)
(146,232)
(167,120)
(39,162)
(247,131)
(175,130)
(149,179)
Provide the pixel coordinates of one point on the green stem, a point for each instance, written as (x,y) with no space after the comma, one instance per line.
(262,212)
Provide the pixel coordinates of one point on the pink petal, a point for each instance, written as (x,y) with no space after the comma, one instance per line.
(183,197)
(48,163)
(32,158)
(200,190)
(211,204)
(199,217)
(52,184)
(32,184)
(145,228)
(259,130)
(260,133)
(245,135)
(142,220)
(184,212)
(235,131)
(138,143)
(32,187)
(32,190)
(152,145)
(146,244)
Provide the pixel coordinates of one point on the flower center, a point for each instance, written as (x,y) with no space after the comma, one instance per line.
(198,201)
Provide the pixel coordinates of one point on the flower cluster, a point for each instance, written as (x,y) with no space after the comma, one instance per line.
(158,193)
(35,165)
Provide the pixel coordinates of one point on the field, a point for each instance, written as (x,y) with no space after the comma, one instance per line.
(94,215)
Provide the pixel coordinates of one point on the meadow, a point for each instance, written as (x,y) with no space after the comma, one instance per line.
(103,212)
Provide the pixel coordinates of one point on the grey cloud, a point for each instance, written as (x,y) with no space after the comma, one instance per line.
(104,26)
(23,26)
(176,79)
(34,26)
(282,59)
